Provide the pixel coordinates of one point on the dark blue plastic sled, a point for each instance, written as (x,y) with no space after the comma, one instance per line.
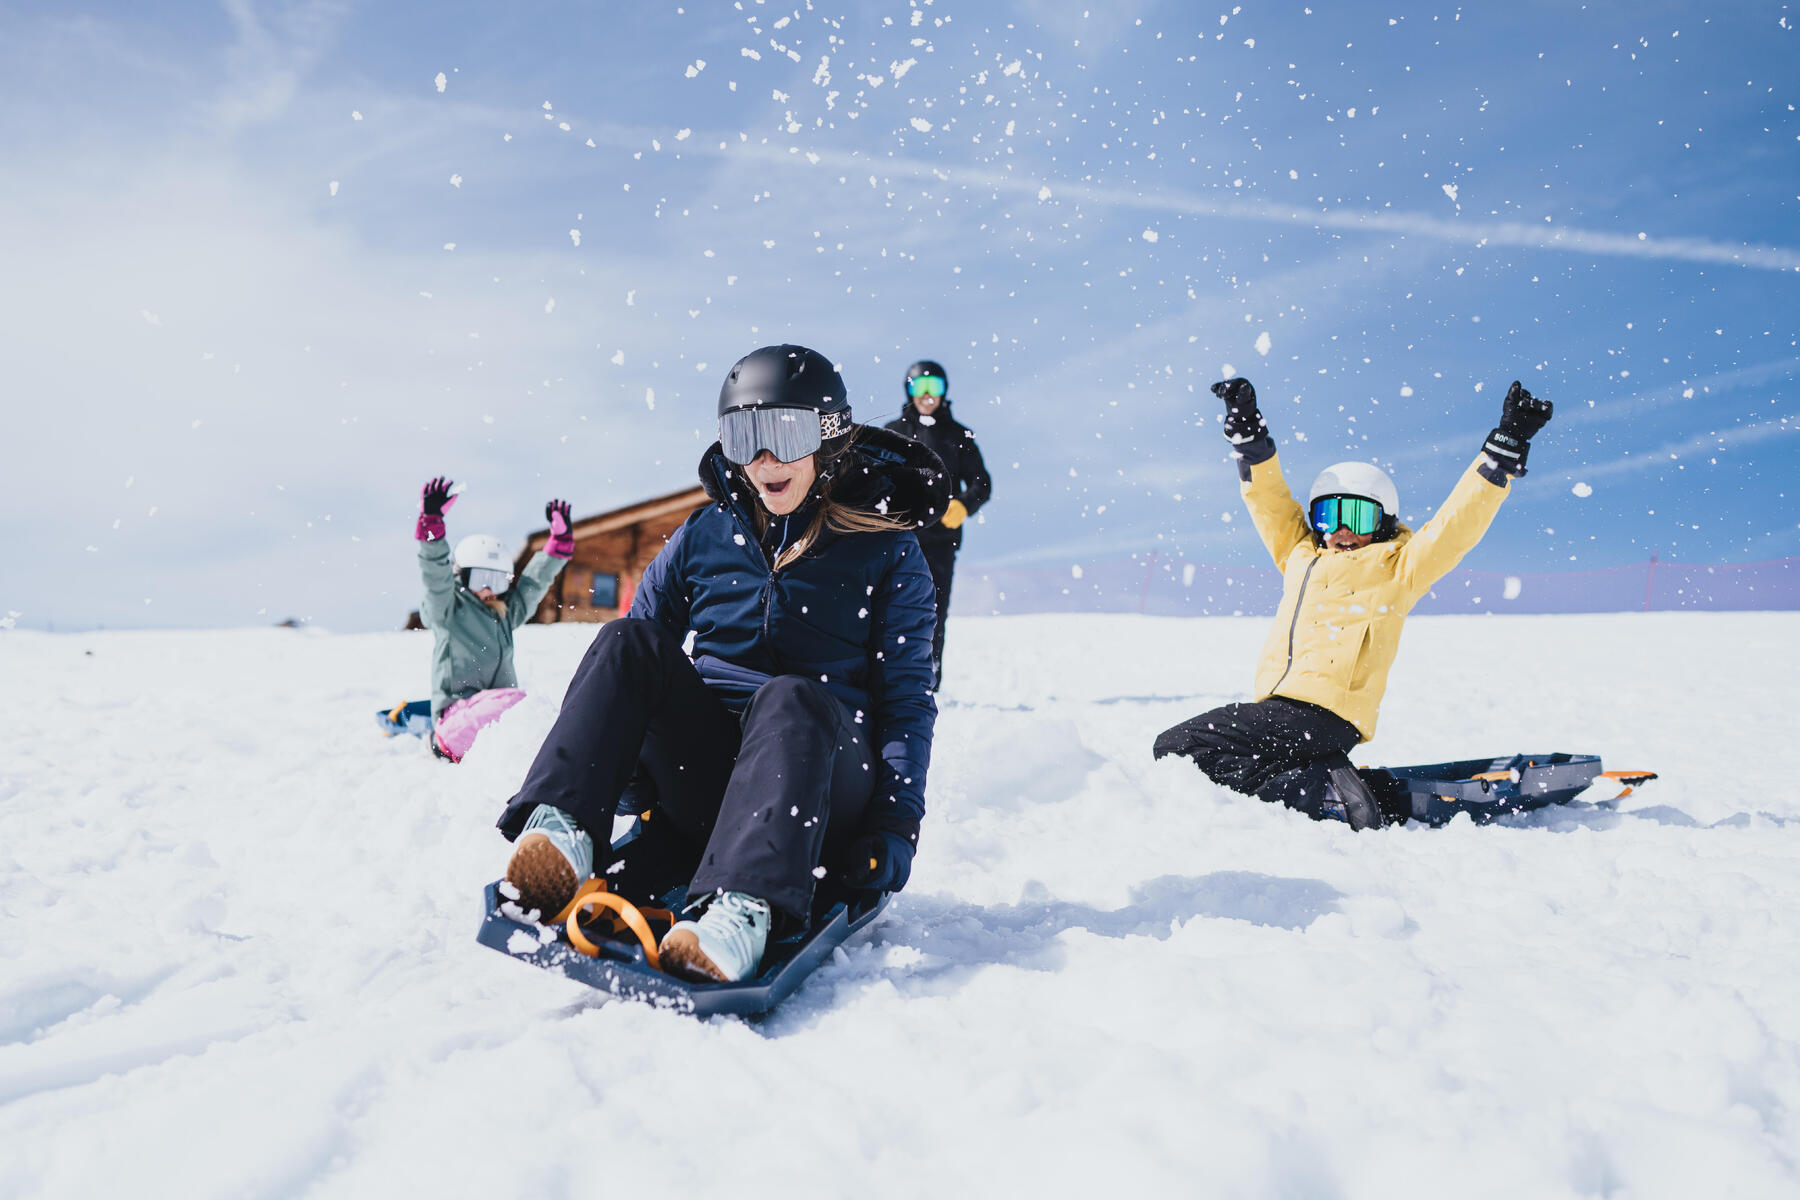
(413,717)
(622,969)
(1486,788)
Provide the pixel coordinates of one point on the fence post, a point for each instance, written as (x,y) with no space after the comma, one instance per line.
(1649,580)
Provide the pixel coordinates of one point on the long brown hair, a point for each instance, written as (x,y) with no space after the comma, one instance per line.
(833,514)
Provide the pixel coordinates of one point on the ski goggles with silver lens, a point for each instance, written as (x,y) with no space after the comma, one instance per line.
(493,579)
(925,385)
(789,434)
(1359,514)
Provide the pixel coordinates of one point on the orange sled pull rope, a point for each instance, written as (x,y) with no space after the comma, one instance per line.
(593,895)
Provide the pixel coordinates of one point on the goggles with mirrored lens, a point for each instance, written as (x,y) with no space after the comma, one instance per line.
(1359,514)
(925,385)
(488,577)
(787,433)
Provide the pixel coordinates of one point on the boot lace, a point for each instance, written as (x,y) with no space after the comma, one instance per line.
(731,919)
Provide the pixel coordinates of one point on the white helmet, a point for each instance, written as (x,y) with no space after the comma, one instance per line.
(482,550)
(1358,479)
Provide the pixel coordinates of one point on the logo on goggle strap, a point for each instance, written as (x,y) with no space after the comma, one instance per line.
(834,424)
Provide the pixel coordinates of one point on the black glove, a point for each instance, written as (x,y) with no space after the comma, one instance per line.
(1521,416)
(1242,422)
(877,862)
(432,498)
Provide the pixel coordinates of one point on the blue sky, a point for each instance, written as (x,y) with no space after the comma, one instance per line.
(266,273)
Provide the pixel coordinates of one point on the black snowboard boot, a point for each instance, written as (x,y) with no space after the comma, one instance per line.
(1353,797)
(1325,792)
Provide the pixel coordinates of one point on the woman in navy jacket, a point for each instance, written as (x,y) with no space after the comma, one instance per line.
(793,745)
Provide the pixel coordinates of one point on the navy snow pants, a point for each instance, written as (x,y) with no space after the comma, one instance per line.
(1280,750)
(751,804)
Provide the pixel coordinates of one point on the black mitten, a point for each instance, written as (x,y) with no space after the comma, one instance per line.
(1521,416)
(1243,423)
(877,862)
(1244,426)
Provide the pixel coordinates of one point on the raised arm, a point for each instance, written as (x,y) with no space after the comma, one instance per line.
(436,572)
(1278,517)
(544,566)
(1463,519)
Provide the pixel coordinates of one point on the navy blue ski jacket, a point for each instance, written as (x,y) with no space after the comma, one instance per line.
(857,611)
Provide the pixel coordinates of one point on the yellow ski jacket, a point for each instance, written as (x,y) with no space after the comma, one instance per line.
(1338,628)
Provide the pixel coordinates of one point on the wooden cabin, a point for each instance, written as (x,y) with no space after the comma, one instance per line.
(611,551)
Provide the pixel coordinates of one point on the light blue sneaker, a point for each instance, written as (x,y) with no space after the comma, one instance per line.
(724,946)
(552,858)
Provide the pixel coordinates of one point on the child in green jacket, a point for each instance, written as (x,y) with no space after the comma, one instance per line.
(471,607)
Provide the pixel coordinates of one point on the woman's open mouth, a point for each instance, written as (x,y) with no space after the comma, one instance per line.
(776,487)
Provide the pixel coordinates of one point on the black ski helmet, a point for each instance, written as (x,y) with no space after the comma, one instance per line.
(785,377)
(926,367)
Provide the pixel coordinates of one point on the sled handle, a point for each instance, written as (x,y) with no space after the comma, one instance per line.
(628,912)
(1628,780)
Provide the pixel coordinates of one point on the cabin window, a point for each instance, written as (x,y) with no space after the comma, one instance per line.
(605,591)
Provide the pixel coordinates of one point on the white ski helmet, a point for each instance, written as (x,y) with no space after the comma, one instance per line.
(1358,479)
(482,550)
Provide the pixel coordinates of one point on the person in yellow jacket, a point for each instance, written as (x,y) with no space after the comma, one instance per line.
(1351,573)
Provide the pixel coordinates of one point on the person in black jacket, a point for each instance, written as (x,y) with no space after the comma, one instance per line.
(926,419)
(793,746)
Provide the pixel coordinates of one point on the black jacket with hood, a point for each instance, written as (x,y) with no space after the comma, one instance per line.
(954,444)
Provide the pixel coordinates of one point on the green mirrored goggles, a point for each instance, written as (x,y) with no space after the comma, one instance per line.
(1359,514)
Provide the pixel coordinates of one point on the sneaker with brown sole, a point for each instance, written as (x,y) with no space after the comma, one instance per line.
(542,874)
(724,946)
(682,955)
(551,859)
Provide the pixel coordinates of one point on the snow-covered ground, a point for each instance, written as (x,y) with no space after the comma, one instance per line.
(237,955)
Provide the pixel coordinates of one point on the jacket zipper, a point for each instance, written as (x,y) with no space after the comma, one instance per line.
(1295,623)
(745,527)
(769,587)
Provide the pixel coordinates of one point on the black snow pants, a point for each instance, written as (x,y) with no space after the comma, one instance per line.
(751,804)
(940,558)
(1280,750)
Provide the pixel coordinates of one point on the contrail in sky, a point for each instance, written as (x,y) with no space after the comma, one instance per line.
(1547,236)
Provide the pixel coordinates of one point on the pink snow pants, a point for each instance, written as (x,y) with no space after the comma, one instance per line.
(457,728)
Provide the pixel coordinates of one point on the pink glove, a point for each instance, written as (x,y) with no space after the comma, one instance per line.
(560,545)
(434,501)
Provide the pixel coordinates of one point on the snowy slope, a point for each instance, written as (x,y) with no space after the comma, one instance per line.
(238,959)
